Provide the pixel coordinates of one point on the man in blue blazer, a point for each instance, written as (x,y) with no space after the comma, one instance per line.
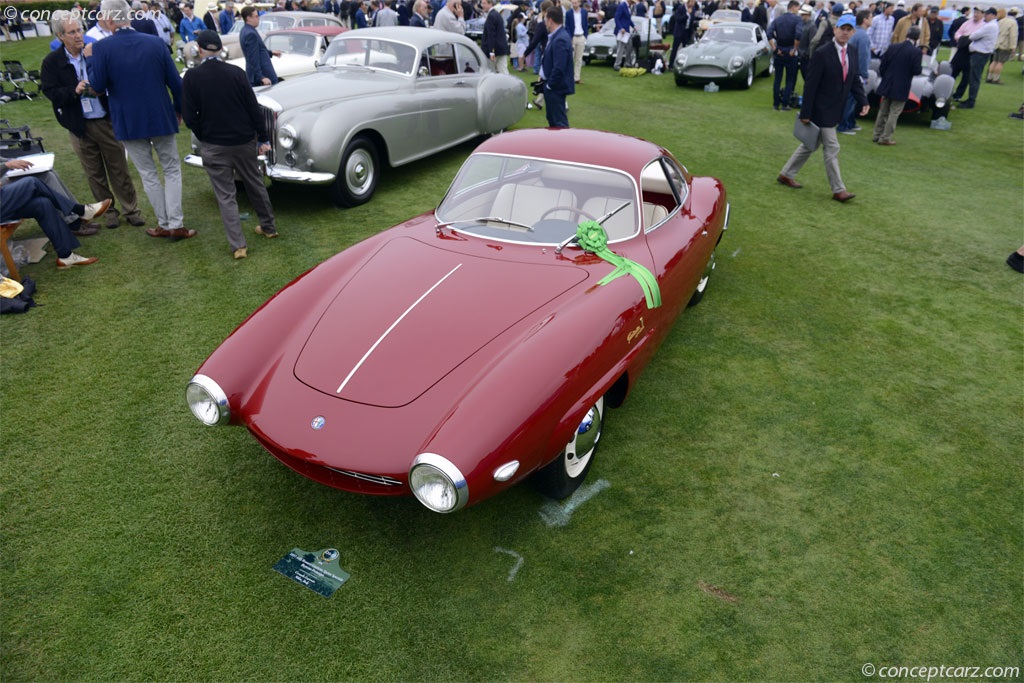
(577,26)
(900,63)
(623,32)
(494,40)
(257,57)
(136,72)
(556,68)
(832,75)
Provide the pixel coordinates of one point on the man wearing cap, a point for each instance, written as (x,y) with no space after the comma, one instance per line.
(899,65)
(1006,43)
(880,33)
(833,74)
(900,11)
(220,107)
(826,27)
(982,45)
(934,30)
(806,33)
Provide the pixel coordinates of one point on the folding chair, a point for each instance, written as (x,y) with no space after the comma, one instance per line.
(18,76)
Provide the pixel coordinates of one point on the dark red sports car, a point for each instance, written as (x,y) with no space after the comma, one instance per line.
(477,345)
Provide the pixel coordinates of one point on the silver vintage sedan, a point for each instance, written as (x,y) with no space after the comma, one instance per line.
(383,97)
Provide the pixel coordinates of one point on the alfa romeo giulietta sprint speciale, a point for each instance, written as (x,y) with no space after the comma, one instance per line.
(480,344)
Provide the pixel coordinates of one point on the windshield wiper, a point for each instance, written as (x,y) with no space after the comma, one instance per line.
(485,219)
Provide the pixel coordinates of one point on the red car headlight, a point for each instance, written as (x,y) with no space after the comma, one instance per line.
(437,483)
(207,401)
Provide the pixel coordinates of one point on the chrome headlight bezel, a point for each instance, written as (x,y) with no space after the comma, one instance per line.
(287,136)
(207,401)
(681,59)
(437,483)
(735,63)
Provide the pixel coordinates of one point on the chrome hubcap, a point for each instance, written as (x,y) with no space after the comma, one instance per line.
(581,448)
(359,171)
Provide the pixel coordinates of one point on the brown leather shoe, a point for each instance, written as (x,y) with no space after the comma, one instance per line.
(180,234)
(86,229)
(789,182)
(887,143)
(843,196)
(157,232)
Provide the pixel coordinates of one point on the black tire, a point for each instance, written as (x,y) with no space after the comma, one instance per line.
(565,473)
(702,286)
(680,81)
(357,174)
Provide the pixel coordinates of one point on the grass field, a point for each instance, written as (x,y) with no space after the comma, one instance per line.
(821,470)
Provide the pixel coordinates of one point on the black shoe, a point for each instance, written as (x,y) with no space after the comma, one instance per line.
(1016,261)
(966,105)
(786,108)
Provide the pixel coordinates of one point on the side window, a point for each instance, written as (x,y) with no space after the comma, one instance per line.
(440,60)
(661,189)
(469,63)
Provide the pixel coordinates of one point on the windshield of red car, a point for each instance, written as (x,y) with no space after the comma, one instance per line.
(536,201)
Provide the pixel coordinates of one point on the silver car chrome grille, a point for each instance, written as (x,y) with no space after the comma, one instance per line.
(705,71)
(372,478)
(270,121)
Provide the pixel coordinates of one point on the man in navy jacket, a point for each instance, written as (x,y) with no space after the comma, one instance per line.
(577,26)
(833,74)
(900,63)
(556,68)
(494,40)
(257,57)
(136,72)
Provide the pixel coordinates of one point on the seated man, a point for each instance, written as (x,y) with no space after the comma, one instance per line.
(28,197)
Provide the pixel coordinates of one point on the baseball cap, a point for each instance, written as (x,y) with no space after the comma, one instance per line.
(992,11)
(837,8)
(209,41)
(846,20)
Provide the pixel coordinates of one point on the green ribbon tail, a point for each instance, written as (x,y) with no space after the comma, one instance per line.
(591,236)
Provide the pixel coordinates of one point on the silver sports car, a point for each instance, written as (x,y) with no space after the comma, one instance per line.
(382,97)
(736,51)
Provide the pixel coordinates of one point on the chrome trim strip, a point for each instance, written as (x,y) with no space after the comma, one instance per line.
(393,326)
(279,172)
(372,478)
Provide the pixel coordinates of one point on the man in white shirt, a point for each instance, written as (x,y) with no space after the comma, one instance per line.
(983,44)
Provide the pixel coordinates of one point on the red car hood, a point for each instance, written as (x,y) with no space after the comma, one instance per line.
(412,313)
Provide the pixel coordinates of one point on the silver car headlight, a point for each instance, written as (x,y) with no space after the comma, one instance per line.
(224,53)
(735,63)
(287,136)
(681,59)
(207,401)
(437,483)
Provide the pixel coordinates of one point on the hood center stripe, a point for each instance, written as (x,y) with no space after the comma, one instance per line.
(393,326)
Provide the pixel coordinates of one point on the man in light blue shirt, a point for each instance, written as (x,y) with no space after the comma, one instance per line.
(983,44)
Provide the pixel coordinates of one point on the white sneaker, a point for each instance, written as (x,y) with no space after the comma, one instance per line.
(97,209)
(73,259)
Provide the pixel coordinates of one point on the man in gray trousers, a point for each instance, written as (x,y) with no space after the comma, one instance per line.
(218,104)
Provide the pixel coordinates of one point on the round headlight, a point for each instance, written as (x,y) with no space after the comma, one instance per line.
(286,136)
(224,53)
(207,401)
(437,483)
(681,59)
(736,62)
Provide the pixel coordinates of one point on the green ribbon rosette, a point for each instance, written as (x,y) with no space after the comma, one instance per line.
(591,236)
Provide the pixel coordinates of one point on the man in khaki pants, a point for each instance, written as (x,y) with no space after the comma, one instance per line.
(577,27)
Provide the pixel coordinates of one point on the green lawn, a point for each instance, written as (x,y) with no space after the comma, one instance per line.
(821,469)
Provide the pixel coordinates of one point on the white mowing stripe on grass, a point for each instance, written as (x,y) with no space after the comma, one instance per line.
(518,564)
(554,514)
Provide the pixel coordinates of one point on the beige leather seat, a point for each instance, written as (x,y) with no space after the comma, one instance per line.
(622,224)
(527,203)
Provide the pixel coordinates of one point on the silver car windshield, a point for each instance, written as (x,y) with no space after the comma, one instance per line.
(728,34)
(534,201)
(374,53)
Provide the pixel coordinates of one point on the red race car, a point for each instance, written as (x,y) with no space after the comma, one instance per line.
(467,349)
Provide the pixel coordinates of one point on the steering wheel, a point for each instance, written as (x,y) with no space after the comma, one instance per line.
(570,209)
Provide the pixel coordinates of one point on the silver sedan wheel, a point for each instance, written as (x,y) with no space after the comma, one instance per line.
(580,449)
(358,175)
